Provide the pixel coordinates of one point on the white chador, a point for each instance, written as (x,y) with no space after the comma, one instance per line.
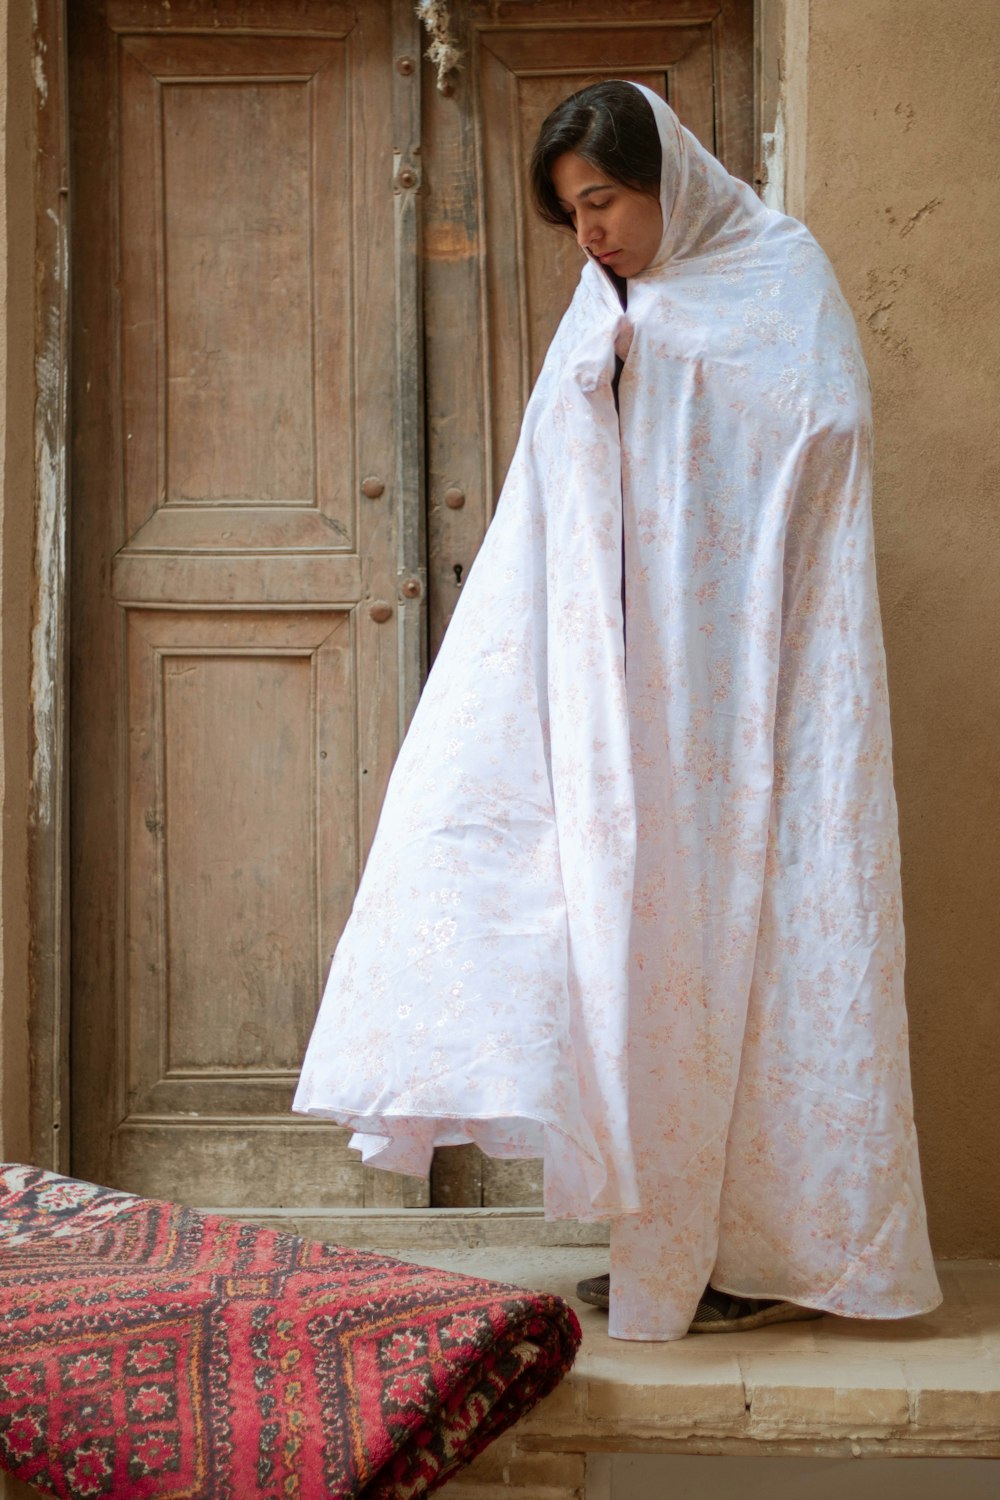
(633,905)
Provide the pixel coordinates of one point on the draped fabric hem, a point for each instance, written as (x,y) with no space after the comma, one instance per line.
(877,1281)
(823,1302)
(406,1143)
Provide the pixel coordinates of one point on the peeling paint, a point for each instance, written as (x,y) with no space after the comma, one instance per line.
(50,565)
(50,537)
(58,267)
(50,469)
(773,143)
(38,62)
(41,82)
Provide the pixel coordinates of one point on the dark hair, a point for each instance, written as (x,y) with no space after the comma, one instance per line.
(610,124)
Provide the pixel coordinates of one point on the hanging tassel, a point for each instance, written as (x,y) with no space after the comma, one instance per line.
(442,52)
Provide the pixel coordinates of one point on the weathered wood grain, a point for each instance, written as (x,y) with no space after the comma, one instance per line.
(236,703)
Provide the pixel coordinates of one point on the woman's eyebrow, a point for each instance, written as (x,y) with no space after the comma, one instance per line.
(597,187)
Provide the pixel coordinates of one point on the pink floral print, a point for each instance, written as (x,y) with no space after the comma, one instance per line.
(638,912)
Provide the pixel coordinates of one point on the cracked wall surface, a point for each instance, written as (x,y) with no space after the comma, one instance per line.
(901,190)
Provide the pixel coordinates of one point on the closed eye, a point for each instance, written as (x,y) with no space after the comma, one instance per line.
(570,212)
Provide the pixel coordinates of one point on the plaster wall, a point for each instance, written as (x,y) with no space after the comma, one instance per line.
(902,120)
(17,275)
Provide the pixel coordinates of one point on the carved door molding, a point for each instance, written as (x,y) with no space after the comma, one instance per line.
(248,583)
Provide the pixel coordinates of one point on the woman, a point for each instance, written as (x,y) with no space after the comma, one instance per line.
(633,904)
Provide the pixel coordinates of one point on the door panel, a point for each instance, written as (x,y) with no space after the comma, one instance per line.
(231,325)
(498,280)
(236,702)
(230,713)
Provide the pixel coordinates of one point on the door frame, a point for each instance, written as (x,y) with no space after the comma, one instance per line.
(781,51)
(48,842)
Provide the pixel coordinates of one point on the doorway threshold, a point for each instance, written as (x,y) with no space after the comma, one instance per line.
(402,1229)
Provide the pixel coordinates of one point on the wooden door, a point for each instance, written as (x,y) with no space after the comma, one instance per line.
(247,580)
(498,280)
(244,608)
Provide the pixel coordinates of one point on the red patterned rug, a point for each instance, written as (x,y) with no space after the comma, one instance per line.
(147,1349)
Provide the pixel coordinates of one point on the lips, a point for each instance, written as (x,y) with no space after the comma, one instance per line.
(610,255)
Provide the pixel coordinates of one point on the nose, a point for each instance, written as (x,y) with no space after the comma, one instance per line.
(587,229)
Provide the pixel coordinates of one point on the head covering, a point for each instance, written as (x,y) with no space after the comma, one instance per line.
(704,208)
(642,917)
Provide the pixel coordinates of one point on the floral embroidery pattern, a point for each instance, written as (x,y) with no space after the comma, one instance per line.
(642,917)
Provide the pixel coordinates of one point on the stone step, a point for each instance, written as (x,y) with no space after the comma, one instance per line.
(838,1387)
(431,1228)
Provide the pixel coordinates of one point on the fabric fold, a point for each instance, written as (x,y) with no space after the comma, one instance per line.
(644,918)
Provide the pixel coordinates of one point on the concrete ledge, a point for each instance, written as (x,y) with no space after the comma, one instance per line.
(413,1229)
(921,1387)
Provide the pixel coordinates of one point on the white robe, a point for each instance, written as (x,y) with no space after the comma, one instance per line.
(643,918)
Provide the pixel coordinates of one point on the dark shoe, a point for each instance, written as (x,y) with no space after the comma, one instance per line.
(596,1290)
(718,1312)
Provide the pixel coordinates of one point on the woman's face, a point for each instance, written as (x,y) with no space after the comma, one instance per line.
(619,226)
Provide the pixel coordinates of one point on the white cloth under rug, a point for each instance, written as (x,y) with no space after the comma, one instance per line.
(646,923)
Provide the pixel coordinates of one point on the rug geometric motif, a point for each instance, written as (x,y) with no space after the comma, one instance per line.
(150,1350)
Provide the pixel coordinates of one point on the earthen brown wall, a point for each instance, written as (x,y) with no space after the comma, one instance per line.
(901,188)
